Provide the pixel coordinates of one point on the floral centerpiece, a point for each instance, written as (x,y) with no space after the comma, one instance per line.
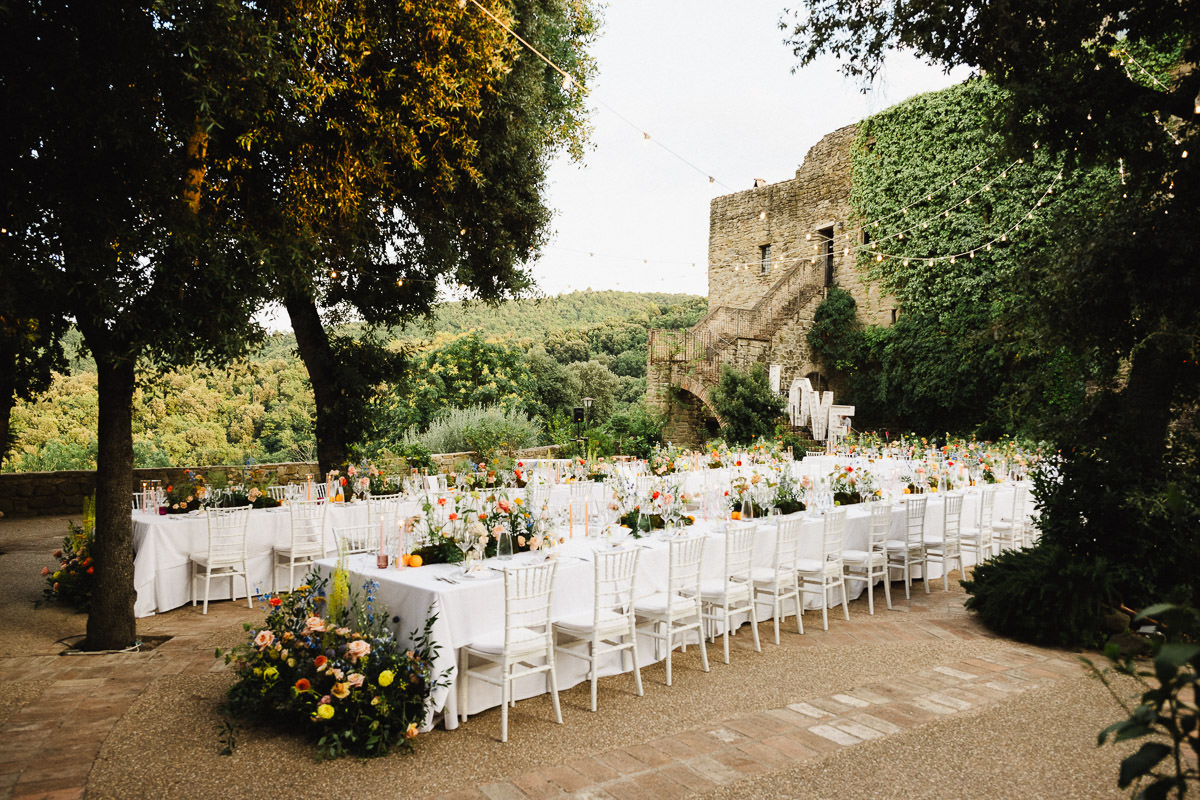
(657,511)
(71,582)
(438,543)
(339,675)
(851,485)
(187,494)
(788,494)
(741,497)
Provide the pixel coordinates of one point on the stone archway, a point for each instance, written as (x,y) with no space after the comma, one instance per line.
(691,420)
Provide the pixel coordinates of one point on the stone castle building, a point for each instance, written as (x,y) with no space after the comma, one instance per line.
(773,252)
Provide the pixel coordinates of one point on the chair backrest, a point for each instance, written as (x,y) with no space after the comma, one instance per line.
(436,483)
(581,490)
(953,518)
(539,496)
(527,594)
(987,505)
(914,519)
(787,545)
(834,533)
(383,507)
(308,525)
(357,539)
(1018,503)
(683,565)
(227,534)
(616,571)
(881,523)
(277,492)
(739,551)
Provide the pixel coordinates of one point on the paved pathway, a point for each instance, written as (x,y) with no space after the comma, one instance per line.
(52,742)
(720,754)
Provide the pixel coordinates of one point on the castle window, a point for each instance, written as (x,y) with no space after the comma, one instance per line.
(764,264)
(893,316)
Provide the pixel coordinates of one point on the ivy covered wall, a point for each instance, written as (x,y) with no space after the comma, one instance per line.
(930,182)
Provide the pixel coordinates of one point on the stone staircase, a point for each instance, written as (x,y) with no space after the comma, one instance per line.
(733,336)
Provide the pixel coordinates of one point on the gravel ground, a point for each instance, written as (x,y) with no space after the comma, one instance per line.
(1041,743)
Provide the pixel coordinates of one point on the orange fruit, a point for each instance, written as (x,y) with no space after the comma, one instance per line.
(404,558)
(415,560)
(736,515)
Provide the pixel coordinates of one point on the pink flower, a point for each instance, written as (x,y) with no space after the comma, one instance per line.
(264,639)
(357,649)
(314,624)
(503,506)
(351,471)
(45,571)
(520,540)
(355,679)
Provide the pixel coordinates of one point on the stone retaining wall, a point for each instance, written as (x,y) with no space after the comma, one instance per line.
(34,494)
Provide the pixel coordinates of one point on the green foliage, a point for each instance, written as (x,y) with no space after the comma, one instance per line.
(1043,596)
(488,431)
(963,353)
(344,680)
(536,319)
(835,337)
(636,430)
(746,404)
(1167,710)
(262,408)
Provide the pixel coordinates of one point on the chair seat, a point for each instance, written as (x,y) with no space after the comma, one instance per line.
(301,551)
(814,566)
(723,593)
(656,604)
(584,622)
(858,557)
(520,640)
(972,532)
(901,546)
(1003,524)
(218,562)
(769,576)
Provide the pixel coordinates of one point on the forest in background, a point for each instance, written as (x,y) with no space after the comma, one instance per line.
(498,373)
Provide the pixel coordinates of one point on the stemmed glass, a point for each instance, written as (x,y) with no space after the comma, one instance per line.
(466,543)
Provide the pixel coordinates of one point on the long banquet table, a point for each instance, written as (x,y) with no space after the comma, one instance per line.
(163,545)
(472,607)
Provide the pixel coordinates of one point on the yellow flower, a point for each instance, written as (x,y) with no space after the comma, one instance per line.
(386,677)
(411,732)
(270,673)
(325,711)
(340,690)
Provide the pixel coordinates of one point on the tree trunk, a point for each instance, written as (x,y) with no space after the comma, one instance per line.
(1147,401)
(8,391)
(313,343)
(111,624)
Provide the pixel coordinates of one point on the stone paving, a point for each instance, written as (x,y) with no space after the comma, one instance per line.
(50,747)
(810,728)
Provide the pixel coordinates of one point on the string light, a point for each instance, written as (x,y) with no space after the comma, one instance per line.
(568,81)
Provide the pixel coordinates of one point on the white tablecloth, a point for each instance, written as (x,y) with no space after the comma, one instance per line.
(163,546)
(473,607)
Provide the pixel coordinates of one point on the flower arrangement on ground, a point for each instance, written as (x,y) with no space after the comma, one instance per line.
(339,675)
(71,582)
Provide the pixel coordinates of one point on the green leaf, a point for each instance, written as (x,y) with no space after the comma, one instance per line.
(1141,762)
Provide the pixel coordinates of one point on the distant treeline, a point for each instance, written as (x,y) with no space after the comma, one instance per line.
(531,358)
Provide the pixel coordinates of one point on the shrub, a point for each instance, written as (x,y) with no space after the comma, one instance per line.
(1043,596)
(340,676)
(746,403)
(488,431)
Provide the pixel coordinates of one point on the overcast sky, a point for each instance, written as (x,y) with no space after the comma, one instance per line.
(711,80)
